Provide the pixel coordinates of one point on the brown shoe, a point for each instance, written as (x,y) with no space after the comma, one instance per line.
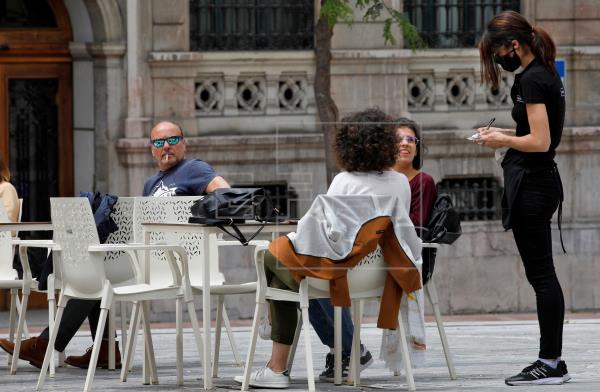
(83,361)
(32,350)
(7,346)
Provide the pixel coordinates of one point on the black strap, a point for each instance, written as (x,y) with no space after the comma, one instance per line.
(240,236)
(558,181)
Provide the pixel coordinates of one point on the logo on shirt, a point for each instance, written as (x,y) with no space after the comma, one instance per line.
(161,190)
(519,99)
(562,92)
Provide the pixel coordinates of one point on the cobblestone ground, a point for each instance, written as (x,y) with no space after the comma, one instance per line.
(484,353)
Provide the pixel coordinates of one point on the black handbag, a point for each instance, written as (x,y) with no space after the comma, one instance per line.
(444,224)
(231,206)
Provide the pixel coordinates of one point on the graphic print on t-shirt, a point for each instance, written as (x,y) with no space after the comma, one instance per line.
(161,190)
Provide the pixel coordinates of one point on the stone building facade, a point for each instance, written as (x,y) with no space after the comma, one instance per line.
(252,115)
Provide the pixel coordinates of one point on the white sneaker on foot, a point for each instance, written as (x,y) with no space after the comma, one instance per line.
(267,378)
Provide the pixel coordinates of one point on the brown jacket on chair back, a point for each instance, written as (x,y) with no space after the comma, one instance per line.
(402,274)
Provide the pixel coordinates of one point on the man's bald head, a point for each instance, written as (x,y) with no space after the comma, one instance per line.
(167,144)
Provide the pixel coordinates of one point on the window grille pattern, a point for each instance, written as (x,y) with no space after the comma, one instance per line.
(293,94)
(421,92)
(228,25)
(454,23)
(209,96)
(475,198)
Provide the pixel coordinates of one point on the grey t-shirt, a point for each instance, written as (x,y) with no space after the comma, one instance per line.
(189,177)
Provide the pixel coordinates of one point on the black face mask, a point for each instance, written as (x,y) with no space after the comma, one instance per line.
(507,62)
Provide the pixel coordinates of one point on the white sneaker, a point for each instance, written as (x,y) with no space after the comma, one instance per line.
(266,378)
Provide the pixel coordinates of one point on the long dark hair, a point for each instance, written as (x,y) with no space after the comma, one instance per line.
(501,30)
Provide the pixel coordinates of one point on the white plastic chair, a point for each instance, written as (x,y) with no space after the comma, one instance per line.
(119,269)
(119,272)
(177,210)
(365,281)
(9,278)
(78,256)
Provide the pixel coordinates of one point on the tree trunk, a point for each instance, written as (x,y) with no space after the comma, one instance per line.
(328,111)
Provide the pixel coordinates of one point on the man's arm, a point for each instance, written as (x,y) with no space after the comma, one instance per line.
(217,182)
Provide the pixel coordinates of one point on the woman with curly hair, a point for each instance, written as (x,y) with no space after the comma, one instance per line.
(366,148)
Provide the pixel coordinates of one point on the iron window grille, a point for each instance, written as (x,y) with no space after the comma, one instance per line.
(230,25)
(476,198)
(454,23)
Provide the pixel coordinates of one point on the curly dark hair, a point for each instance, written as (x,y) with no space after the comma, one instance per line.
(403,122)
(366,141)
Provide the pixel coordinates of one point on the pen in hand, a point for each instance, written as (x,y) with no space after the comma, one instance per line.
(490,123)
(478,135)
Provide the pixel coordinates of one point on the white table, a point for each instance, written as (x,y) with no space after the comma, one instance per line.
(26,226)
(206,230)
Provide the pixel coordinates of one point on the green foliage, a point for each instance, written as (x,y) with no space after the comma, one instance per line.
(342,11)
(336,11)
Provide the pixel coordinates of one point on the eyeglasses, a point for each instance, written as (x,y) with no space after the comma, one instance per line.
(160,143)
(409,139)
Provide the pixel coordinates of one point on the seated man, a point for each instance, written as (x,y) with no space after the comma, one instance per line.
(177,176)
(366,148)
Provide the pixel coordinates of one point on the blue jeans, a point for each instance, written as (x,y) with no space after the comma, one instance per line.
(320,313)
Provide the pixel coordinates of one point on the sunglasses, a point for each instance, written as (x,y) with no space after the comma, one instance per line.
(160,143)
(409,139)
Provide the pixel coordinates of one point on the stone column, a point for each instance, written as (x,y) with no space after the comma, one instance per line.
(139,83)
(110,107)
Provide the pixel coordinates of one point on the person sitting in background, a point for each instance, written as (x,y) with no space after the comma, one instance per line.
(422,186)
(8,193)
(177,176)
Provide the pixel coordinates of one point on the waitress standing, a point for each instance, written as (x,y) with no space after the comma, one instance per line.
(532,186)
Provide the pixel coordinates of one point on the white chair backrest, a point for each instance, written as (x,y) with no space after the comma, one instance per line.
(367,278)
(174,210)
(7,272)
(74,231)
(118,264)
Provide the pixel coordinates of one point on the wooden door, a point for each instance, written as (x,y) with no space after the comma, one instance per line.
(36,115)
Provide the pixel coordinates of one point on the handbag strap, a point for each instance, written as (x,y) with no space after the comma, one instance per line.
(240,236)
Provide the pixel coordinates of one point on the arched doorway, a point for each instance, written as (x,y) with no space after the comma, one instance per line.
(36,135)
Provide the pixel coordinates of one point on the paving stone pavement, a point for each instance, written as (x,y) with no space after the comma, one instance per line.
(484,353)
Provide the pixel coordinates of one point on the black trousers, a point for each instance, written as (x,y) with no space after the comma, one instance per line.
(75,313)
(536,202)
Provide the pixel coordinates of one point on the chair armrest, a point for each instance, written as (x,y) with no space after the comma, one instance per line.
(24,258)
(176,273)
(133,246)
(430,245)
(232,243)
(49,244)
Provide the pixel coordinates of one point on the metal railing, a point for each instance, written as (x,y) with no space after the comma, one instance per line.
(454,23)
(229,25)
(475,199)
